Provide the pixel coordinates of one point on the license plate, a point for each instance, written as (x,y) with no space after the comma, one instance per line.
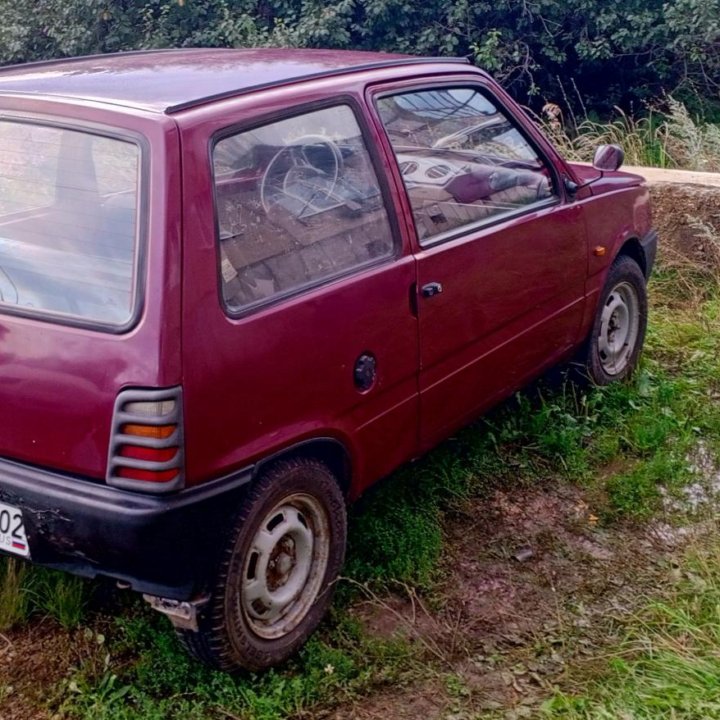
(12,531)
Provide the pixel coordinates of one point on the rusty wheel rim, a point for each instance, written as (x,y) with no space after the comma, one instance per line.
(619,328)
(285,566)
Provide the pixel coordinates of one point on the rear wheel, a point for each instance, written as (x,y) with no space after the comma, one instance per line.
(618,333)
(276,578)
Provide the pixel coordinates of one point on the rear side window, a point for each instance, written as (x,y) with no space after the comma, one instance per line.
(68,223)
(462,160)
(298,203)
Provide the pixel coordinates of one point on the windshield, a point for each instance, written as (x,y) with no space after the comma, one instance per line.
(68,223)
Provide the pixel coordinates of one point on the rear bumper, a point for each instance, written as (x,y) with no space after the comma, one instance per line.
(649,245)
(160,545)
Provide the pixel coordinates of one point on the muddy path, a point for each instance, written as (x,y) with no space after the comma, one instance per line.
(533,587)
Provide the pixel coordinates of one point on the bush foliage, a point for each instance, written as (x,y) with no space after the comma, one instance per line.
(596,53)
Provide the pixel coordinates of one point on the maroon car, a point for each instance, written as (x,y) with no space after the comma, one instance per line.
(239,286)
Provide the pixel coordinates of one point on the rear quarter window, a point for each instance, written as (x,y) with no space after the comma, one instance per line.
(68,223)
(298,203)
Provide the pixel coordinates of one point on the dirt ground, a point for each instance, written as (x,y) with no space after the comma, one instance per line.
(683,214)
(34,658)
(533,583)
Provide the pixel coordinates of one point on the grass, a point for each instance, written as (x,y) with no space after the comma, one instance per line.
(14,600)
(553,429)
(26,590)
(668,666)
(338,664)
(62,597)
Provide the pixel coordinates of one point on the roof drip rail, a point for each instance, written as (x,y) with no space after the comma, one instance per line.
(204,100)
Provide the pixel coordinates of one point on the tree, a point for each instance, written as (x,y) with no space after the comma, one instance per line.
(590,53)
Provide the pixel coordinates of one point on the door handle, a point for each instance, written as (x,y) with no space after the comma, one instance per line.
(431,289)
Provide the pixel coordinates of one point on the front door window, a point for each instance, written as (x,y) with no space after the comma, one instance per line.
(462,160)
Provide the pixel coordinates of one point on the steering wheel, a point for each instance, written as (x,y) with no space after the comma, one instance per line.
(301,172)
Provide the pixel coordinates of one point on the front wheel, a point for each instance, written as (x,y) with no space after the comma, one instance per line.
(618,333)
(275,582)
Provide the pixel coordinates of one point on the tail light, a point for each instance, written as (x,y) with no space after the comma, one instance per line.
(146,441)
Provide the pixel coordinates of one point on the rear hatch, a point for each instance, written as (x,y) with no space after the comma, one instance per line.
(74,327)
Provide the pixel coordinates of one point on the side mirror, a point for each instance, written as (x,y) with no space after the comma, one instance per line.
(608,158)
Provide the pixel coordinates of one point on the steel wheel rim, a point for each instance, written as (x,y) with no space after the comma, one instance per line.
(619,328)
(285,566)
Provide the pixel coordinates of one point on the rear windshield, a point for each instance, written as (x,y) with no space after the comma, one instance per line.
(68,223)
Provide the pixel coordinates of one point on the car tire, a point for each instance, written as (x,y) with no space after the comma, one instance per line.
(618,333)
(278,570)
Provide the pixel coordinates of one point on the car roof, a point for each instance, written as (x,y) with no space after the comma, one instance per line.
(171,80)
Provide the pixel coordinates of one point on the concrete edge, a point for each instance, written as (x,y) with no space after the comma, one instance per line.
(683,177)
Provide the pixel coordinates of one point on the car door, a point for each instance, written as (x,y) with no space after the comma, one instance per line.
(501,257)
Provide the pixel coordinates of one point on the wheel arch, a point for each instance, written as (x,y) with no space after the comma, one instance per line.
(328,450)
(633,249)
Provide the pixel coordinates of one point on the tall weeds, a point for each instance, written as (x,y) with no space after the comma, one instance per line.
(14,602)
(692,145)
(27,590)
(667,138)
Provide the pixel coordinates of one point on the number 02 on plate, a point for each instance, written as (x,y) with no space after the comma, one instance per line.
(12,531)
